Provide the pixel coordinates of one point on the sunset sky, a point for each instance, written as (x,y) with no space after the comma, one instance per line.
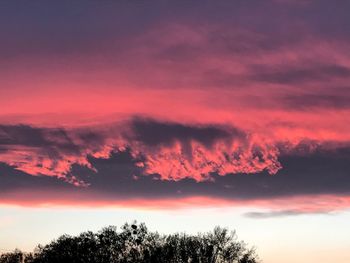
(181,114)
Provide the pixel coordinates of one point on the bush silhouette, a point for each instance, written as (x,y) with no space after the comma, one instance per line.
(135,244)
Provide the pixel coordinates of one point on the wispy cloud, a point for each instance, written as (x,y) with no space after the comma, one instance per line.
(281,213)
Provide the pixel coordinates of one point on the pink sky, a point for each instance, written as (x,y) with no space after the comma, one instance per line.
(178,105)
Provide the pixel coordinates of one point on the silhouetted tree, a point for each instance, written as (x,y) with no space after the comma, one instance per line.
(16,256)
(135,244)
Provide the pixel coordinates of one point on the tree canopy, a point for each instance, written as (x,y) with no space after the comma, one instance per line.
(135,244)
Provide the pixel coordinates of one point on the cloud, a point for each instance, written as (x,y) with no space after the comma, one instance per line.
(281,213)
(309,183)
(172,150)
(47,151)
(231,95)
(317,101)
(301,74)
(24,135)
(176,151)
(154,133)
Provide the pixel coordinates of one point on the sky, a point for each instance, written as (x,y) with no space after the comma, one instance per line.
(180,114)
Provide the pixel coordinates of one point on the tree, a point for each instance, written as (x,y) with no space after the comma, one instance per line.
(135,244)
(16,256)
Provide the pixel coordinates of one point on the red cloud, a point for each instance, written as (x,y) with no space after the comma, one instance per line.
(298,204)
(174,151)
(189,152)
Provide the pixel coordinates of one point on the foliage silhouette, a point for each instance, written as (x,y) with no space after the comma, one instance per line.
(135,244)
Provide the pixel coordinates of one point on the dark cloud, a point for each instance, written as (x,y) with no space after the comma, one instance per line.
(322,101)
(13,180)
(53,151)
(305,73)
(152,133)
(310,168)
(54,139)
(47,151)
(64,27)
(21,134)
(323,172)
(49,140)
(299,75)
